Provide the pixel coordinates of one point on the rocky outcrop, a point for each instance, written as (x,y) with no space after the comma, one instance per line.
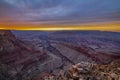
(17,53)
(88,71)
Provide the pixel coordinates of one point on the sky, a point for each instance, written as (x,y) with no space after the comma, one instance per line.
(58,12)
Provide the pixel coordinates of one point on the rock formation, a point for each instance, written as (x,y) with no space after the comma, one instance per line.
(88,71)
(16,53)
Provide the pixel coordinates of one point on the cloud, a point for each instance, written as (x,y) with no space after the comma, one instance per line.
(47,10)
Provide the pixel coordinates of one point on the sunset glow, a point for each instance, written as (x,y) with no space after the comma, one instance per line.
(101,27)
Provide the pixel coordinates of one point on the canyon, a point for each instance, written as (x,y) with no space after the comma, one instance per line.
(37,52)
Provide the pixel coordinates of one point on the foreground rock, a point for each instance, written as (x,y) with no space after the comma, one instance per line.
(87,71)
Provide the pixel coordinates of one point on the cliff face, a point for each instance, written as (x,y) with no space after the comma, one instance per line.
(17,53)
(6,42)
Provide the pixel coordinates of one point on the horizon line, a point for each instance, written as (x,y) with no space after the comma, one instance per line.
(101,27)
